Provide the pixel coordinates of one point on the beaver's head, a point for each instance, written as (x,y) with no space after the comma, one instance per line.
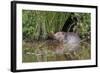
(59,36)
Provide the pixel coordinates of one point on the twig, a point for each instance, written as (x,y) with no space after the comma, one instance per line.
(70,27)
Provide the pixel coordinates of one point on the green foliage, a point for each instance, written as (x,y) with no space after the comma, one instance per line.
(37,24)
(83,26)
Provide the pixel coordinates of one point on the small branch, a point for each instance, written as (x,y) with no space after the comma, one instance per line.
(70,27)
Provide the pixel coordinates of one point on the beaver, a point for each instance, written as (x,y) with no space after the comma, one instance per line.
(70,40)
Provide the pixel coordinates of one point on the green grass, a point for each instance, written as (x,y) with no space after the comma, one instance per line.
(38,24)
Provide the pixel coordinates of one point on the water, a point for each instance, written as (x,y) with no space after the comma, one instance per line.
(44,51)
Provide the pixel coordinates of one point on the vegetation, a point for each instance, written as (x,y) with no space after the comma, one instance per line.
(38,24)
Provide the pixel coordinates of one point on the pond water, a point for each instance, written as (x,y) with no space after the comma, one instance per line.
(52,50)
